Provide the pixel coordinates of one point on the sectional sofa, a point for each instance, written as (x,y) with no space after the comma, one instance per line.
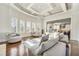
(52,47)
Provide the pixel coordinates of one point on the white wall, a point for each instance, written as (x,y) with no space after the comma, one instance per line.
(7,13)
(75,23)
(4,18)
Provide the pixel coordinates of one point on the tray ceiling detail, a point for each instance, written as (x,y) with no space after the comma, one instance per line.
(43,9)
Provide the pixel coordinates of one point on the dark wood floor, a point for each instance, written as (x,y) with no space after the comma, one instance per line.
(17,49)
(74,48)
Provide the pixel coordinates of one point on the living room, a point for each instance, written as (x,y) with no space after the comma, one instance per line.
(36,29)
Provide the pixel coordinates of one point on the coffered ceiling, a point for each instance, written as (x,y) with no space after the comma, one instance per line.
(43,9)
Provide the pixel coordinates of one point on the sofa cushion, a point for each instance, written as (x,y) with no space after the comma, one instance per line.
(61,35)
(57,50)
(45,38)
(48,44)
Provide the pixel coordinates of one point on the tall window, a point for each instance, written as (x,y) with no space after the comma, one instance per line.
(14,24)
(38,26)
(33,27)
(22,26)
(28,26)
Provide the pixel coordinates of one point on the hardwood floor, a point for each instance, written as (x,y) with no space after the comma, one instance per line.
(17,49)
(74,48)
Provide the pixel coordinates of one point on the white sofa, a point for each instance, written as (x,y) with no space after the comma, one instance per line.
(48,44)
(10,38)
(51,47)
(13,38)
(37,47)
(58,50)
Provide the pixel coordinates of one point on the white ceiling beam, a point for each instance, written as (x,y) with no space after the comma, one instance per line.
(29,8)
(33,11)
(12,5)
(63,6)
